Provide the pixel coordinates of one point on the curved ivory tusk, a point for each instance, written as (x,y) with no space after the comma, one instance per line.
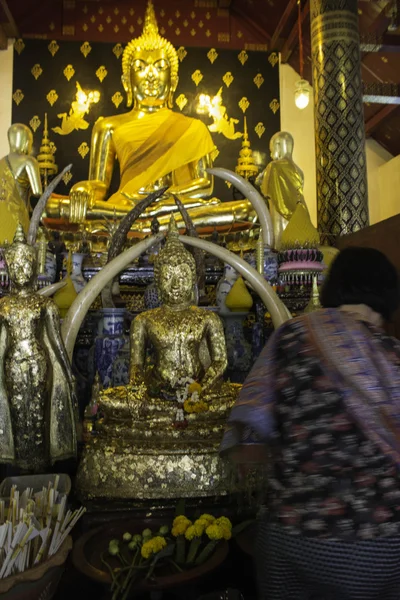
(52,289)
(278,311)
(86,297)
(257,201)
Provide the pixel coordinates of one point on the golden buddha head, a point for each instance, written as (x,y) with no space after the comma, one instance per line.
(21,260)
(150,66)
(281,145)
(20,138)
(175,270)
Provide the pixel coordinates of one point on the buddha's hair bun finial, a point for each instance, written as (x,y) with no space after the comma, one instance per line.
(150,21)
(20,249)
(174,252)
(19,236)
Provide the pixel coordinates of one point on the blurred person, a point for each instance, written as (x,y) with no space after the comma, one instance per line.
(322,407)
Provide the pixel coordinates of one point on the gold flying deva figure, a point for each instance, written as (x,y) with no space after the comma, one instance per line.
(222,123)
(36,388)
(155,147)
(154,443)
(74,120)
(282,182)
(19,178)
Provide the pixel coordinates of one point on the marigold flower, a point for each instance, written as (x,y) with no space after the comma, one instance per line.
(200,526)
(191,406)
(206,517)
(194,387)
(226,533)
(153,546)
(224,522)
(215,532)
(180,525)
(190,533)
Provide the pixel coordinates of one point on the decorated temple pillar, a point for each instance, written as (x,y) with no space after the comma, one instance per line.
(342,193)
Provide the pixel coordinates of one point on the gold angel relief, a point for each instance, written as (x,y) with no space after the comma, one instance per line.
(222,123)
(74,120)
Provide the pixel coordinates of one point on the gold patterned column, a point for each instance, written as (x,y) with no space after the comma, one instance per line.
(339,119)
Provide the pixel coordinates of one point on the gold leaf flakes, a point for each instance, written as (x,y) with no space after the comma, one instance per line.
(181,101)
(53,48)
(118,50)
(69,72)
(83,149)
(197,76)
(36,71)
(18,96)
(274,106)
(116,99)
(86,49)
(244,104)
(35,122)
(258,80)
(384,59)
(227,78)
(85,27)
(273,59)
(181,53)
(52,97)
(228,183)
(243,57)
(101,73)
(67,177)
(19,45)
(212,55)
(192,32)
(259,129)
(208,33)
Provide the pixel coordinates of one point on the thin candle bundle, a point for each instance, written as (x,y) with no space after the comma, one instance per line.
(33,527)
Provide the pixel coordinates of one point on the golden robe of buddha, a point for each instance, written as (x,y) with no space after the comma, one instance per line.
(282,183)
(19,177)
(155,147)
(160,435)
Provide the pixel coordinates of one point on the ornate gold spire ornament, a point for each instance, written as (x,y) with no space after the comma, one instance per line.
(46,159)
(149,40)
(246,166)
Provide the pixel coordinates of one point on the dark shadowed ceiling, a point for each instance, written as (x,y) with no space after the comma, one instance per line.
(241,24)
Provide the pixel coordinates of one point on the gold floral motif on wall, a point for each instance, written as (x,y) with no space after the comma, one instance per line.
(67,177)
(274,105)
(212,55)
(52,97)
(74,120)
(83,149)
(53,48)
(19,46)
(35,123)
(208,33)
(197,76)
(69,72)
(243,57)
(259,129)
(244,104)
(118,50)
(258,80)
(181,52)
(36,71)
(227,78)
(86,49)
(181,101)
(116,99)
(273,59)
(101,73)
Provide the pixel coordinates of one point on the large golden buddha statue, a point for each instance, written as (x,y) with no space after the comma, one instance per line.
(155,147)
(160,435)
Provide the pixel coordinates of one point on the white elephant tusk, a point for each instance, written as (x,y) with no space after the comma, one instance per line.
(257,201)
(278,311)
(52,289)
(86,297)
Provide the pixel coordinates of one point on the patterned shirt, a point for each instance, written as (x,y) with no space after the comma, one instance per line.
(329,480)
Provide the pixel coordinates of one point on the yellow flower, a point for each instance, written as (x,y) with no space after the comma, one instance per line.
(224,522)
(180,525)
(199,406)
(200,526)
(153,546)
(226,533)
(215,532)
(209,518)
(194,387)
(190,533)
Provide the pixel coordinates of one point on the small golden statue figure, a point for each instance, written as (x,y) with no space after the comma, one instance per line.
(161,434)
(155,147)
(37,422)
(19,178)
(282,182)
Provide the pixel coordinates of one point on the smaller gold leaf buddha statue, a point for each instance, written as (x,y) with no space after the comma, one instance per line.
(160,434)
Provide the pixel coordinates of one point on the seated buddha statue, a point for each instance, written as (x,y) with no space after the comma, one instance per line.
(154,146)
(282,183)
(160,434)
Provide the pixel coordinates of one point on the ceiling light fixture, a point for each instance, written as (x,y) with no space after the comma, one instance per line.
(302,88)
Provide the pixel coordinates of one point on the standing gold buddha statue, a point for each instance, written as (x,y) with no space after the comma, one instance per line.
(155,147)
(160,435)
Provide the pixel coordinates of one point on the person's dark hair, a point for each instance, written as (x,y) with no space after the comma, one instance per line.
(362,276)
